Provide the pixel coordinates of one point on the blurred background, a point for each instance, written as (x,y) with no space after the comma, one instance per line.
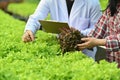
(21,9)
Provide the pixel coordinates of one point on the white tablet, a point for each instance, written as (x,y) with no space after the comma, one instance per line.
(52,26)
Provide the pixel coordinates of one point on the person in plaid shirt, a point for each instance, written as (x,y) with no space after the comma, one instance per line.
(106,33)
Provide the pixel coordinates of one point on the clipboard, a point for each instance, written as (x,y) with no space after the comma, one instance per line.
(52,26)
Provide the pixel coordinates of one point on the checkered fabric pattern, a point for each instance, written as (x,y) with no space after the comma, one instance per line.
(109,28)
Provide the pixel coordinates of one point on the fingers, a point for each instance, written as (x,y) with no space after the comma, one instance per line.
(31,35)
(85,42)
(83,45)
(88,43)
(85,39)
(28,36)
(81,48)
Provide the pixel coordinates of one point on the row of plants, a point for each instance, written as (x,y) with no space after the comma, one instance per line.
(24,9)
(32,1)
(42,59)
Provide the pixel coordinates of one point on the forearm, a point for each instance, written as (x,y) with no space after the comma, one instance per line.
(32,25)
(39,14)
(100,42)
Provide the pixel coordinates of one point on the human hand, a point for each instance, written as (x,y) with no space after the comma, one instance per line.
(28,36)
(89,42)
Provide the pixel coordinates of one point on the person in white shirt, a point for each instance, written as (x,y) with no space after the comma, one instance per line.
(80,14)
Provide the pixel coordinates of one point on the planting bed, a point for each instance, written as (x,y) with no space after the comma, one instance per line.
(43,60)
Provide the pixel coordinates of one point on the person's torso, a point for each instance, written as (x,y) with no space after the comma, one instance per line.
(79,14)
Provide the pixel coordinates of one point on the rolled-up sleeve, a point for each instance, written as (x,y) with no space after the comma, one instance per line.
(113,43)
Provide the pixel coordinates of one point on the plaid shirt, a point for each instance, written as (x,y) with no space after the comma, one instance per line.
(109,28)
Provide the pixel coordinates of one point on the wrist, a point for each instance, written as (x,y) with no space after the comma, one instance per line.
(101,42)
